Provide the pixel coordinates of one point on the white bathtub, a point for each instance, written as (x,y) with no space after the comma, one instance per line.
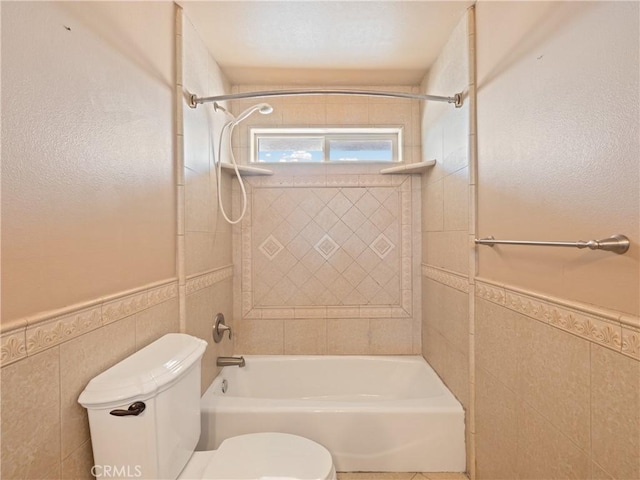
(374,414)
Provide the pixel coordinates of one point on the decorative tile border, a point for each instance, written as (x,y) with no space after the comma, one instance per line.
(13,346)
(608,328)
(57,330)
(34,334)
(446,277)
(198,282)
(127,306)
(490,292)
(631,342)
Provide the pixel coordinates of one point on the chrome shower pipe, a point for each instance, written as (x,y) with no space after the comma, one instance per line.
(194,100)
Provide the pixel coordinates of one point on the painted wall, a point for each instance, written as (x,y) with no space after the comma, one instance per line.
(558,136)
(88,210)
(204,237)
(358,292)
(445,219)
(557,337)
(88,201)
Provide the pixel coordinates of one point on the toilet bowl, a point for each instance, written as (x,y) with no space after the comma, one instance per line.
(144,416)
(262,456)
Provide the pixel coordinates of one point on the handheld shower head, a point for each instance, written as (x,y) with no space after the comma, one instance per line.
(263,108)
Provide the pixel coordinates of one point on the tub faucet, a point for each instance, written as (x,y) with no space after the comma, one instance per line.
(230,361)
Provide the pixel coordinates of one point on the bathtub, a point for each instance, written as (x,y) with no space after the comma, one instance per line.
(373,413)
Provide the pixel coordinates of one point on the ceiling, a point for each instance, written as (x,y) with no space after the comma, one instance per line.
(325,42)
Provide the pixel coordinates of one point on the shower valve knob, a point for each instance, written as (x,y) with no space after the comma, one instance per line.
(219,328)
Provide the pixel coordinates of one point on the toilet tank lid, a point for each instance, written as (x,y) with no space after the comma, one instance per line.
(145,372)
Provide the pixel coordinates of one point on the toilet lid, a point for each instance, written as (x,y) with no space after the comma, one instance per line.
(270,456)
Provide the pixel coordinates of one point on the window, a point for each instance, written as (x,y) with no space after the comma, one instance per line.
(334,145)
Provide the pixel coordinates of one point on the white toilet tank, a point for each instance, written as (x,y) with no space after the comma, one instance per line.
(157,442)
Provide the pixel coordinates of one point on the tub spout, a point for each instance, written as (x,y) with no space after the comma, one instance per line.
(230,361)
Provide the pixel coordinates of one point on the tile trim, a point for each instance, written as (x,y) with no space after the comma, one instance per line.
(207,279)
(30,335)
(13,346)
(608,328)
(446,277)
(124,307)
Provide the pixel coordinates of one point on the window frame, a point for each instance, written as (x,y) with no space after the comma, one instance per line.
(395,134)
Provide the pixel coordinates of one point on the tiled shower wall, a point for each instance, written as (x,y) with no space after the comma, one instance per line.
(446,224)
(204,237)
(325,258)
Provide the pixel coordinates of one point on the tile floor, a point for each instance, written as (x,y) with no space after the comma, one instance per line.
(400,476)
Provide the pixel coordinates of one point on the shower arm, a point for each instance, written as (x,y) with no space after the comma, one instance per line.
(194,100)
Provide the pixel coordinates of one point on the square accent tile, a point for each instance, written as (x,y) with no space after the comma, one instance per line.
(382,245)
(326,247)
(271,247)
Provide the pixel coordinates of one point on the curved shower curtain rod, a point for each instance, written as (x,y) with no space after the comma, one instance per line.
(194,100)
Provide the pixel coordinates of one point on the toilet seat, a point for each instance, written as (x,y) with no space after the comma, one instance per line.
(270,456)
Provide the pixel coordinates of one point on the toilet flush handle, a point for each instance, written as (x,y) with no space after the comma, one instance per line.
(136,408)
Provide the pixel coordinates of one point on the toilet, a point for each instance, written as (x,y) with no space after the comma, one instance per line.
(144,416)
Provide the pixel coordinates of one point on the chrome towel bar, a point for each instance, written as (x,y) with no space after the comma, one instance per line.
(616,243)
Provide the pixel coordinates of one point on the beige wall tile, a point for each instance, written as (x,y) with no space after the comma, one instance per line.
(455,315)
(305,337)
(31,417)
(390,336)
(447,250)
(434,350)
(553,377)
(157,321)
(202,307)
(615,412)
(199,200)
(432,304)
(77,466)
(260,337)
(544,453)
(433,207)
(456,200)
(457,374)
(199,252)
(81,359)
(347,114)
(496,428)
(496,345)
(298,115)
(348,336)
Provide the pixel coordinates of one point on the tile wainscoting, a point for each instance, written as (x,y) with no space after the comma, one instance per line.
(47,360)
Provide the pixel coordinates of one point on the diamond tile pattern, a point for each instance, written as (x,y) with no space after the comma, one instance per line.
(326,246)
(271,247)
(382,245)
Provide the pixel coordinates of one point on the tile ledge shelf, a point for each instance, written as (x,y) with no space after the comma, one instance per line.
(411,168)
(246,170)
